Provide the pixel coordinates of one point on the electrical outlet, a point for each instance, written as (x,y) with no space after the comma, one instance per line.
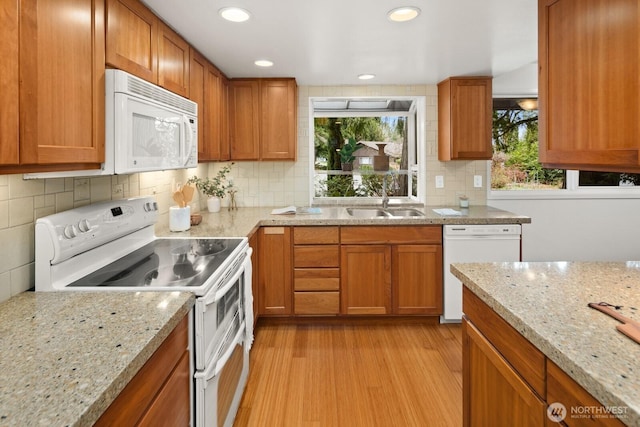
(118,189)
(439,181)
(477,181)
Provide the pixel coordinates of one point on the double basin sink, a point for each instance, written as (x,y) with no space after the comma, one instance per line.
(371,212)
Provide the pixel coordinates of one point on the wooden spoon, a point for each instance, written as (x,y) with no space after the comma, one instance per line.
(178,197)
(187,193)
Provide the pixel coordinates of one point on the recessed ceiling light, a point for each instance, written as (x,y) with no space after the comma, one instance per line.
(403,14)
(366,76)
(234,14)
(264,63)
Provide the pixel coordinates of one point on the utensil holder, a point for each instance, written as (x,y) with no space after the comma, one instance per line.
(179,218)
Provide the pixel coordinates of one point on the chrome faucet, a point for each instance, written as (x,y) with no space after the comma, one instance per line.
(385,196)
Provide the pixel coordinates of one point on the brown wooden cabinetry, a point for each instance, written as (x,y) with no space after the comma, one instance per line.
(391,270)
(278,121)
(138,42)
(59,124)
(508,381)
(197,93)
(494,394)
(9,86)
(366,279)
(244,119)
(274,279)
(316,274)
(263,119)
(132,38)
(588,84)
(159,393)
(465,110)
(255,273)
(173,61)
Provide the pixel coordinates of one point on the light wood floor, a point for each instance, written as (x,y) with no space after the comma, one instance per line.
(401,374)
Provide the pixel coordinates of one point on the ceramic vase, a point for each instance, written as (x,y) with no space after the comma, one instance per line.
(213,204)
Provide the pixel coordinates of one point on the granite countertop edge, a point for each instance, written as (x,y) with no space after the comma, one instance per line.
(108,396)
(583,376)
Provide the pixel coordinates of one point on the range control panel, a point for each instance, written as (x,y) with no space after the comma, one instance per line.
(78,230)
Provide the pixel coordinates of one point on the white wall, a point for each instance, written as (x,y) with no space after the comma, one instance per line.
(578,229)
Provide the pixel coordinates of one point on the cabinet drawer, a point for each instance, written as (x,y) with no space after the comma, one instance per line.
(525,358)
(316,302)
(392,234)
(316,235)
(316,279)
(562,388)
(316,256)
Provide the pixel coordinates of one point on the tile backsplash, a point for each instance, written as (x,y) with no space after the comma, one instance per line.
(258,183)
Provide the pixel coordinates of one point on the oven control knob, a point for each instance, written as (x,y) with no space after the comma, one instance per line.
(84,225)
(70,232)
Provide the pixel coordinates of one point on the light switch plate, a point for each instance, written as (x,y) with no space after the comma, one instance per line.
(477,181)
(439,181)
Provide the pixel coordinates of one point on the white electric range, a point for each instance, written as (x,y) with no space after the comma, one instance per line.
(111,245)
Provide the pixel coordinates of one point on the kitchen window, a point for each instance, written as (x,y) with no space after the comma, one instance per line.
(516,172)
(362,147)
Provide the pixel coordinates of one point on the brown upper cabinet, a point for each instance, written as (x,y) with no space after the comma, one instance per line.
(278,121)
(465,110)
(132,38)
(263,119)
(207,89)
(9,84)
(139,43)
(58,124)
(173,61)
(589,84)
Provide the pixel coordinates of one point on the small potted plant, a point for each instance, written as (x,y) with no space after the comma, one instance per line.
(214,188)
(346,154)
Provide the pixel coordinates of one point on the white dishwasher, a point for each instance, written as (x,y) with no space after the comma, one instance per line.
(474,243)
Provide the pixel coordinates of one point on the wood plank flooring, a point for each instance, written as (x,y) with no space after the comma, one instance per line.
(354,374)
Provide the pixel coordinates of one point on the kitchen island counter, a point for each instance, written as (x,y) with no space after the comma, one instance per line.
(65,356)
(546,302)
(243,221)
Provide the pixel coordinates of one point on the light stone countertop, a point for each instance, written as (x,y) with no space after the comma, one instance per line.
(244,221)
(547,303)
(65,356)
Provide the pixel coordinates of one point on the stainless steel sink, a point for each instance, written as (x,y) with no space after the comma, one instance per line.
(367,212)
(404,212)
(383,213)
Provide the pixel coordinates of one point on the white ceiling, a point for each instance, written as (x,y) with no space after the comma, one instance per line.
(331,42)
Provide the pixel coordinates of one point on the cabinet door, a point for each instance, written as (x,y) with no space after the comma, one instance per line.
(225,147)
(244,119)
(213,120)
(275,280)
(465,110)
(9,154)
(417,279)
(197,75)
(589,84)
(255,274)
(62,81)
(493,393)
(132,39)
(278,122)
(173,61)
(366,279)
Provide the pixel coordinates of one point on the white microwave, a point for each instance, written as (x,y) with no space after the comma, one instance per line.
(147,128)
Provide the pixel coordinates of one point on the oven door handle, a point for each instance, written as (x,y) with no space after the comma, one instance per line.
(219,293)
(229,351)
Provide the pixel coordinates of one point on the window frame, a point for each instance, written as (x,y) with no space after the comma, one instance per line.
(419,113)
(572,191)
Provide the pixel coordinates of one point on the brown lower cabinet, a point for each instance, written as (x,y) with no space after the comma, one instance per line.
(507,381)
(350,270)
(159,393)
